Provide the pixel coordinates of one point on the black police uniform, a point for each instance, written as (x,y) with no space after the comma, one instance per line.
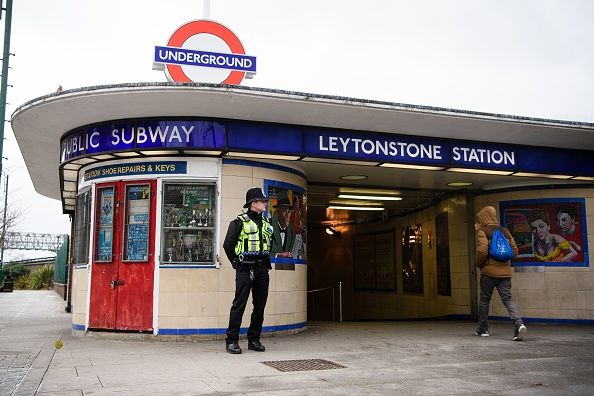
(244,284)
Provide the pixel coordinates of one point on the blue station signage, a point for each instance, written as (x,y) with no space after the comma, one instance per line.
(299,142)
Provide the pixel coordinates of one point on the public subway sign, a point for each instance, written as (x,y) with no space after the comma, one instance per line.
(204,51)
(142,134)
(409,150)
(178,135)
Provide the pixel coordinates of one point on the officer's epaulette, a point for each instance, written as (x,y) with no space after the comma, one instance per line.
(244,217)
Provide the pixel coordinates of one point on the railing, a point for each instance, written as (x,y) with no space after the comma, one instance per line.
(313,300)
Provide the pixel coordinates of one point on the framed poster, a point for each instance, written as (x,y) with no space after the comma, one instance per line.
(374,261)
(442,247)
(549,232)
(287,213)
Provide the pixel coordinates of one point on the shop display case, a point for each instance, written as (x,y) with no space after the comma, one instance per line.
(188,223)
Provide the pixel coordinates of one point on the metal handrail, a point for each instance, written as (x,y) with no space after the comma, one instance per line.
(339,284)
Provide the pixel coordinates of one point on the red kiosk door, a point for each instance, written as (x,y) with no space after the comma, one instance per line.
(123,257)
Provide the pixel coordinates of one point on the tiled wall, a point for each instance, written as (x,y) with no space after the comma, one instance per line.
(556,292)
(201,298)
(80,287)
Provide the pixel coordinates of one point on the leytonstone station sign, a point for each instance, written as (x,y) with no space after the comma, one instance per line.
(204,51)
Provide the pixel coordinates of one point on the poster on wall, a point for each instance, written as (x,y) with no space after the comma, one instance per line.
(374,261)
(548,232)
(442,247)
(286,211)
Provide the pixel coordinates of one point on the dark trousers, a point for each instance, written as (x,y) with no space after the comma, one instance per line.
(259,289)
(503,285)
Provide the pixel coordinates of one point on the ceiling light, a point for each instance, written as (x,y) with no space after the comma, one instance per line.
(406,166)
(526,174)
(481,171)
(354,177)
(339,161)
(332,231)
(587,178)
(265,156)
(127,154)
(201,152)
(354,208)
(367,191)
(158,152)
(460,184)
(370,197)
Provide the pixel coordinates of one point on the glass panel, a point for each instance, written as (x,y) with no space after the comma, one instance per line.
(136,227)
(82,224)
(104,219)
(188,223)
(412,259)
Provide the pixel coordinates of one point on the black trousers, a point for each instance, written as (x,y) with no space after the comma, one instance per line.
(259,289)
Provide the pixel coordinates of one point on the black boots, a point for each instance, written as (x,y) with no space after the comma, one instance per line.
(233,347)
(256,346)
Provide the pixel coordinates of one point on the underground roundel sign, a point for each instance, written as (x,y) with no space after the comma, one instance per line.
(204,51)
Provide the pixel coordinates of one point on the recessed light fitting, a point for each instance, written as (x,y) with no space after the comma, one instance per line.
(460,184)
(370,197)
(354,177)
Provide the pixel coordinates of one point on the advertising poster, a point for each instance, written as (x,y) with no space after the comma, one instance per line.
(548,232)
(374,261)
(138,222)
(286,211)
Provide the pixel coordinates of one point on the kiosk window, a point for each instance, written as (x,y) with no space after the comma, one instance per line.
(104,245)
(82,225)
(188,234)
(136,227)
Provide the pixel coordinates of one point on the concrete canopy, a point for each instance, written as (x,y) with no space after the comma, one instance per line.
(40,123)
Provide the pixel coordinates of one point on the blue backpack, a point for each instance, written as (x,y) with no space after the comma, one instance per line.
(499,248)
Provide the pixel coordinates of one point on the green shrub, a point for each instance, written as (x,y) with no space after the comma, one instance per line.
(15,271)
(22,282)
(42,278)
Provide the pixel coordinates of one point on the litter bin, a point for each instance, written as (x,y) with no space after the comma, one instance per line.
(7,286)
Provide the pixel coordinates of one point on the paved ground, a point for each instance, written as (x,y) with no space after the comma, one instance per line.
(379,358)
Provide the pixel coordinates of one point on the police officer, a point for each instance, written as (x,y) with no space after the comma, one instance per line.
(247,245)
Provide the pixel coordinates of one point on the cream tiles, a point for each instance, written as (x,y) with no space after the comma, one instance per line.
(204,279)
(584,281)
(80,301)
(285,280)
(225,302)
(235,186)
(530,299)
(585,300)
(561,300)
(230,208)
(528,281)
(460,280)
(560,280)
(285,302)
(237,170)
(586,314)
(173,304)
(203,304)
(203,322)
(175,322)
(301,302)
(173,279)
(226,278)
(78,318)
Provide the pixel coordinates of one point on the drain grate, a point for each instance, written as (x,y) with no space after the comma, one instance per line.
(303,365)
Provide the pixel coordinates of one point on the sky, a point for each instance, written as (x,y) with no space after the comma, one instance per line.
(529,58)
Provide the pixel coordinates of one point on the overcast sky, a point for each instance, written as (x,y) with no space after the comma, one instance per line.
(529,58)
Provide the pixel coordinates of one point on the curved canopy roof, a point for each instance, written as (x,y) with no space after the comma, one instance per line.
(40,123)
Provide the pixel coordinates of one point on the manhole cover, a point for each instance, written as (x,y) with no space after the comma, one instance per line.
(303,365)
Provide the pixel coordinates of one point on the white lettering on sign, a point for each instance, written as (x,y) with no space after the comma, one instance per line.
(483,156)
(143,134)
(346,145)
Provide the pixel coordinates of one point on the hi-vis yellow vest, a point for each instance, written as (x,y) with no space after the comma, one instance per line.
(249,237)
